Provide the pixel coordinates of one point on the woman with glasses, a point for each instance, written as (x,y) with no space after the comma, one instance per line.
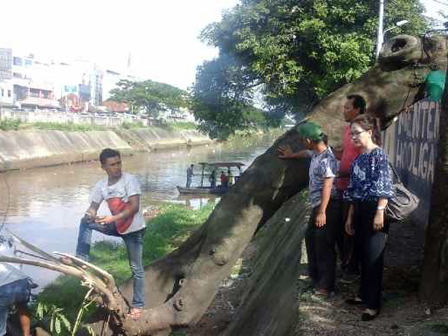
(369,189)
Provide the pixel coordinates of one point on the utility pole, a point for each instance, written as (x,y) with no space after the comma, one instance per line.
(379,39)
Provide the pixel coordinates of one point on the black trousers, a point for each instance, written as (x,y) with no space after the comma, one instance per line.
(350,257)
(370,245)
(321,246)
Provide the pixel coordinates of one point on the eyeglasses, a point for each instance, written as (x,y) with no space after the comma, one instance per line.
(356,134)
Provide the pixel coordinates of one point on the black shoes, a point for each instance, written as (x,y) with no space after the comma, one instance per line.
(354,302)
(368,316)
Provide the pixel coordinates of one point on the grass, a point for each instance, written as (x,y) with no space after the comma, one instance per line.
(132,125)
(12,124)
(183,125)
(69,127)
(163,234)
(9,125)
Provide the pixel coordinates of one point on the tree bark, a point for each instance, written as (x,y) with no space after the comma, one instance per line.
(434,284)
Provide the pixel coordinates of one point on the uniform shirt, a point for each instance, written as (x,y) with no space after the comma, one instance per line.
(323,165)
(349,153)
(117,198)
(370,177)
(9,272)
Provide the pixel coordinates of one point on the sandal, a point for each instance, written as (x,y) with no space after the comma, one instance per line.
(135,313)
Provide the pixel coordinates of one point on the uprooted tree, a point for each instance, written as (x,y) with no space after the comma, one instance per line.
(180,286)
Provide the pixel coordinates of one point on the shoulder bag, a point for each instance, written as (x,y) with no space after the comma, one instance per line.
(403,203)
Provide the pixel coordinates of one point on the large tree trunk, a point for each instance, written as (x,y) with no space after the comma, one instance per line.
(180,287)
(434,283)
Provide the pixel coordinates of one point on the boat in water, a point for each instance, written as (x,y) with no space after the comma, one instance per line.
(202,190)
(213,188)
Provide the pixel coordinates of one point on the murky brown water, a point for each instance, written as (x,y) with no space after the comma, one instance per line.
(45,204)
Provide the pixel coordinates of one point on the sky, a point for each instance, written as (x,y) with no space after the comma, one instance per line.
(161,35)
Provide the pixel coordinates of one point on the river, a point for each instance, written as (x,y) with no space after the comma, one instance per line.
(44,205)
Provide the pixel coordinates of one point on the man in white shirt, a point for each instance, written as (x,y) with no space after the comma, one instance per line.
(122,193)
(14,290)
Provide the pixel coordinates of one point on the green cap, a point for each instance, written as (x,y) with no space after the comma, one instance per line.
(310,130)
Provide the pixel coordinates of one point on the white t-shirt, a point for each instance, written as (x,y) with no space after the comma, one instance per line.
(117,196)
(9,272)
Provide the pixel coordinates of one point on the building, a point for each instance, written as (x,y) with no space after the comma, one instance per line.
(80,82)
(110,80)
(5,64)
(32,84)
(6,87)
(6,93)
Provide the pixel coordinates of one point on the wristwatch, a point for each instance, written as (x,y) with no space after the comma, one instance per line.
(380,207)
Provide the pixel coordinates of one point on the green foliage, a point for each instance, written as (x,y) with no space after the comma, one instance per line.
(221,102)
(53,318)
(68,127)
(152,97)
(132,125)
(182,126)
(293,52)
(163,234)
(9,124)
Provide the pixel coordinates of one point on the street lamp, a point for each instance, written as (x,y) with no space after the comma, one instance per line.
(381,34)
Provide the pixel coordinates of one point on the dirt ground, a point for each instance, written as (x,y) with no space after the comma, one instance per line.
(402,314)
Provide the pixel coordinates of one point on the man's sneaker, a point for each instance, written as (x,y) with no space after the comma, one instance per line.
(349,278)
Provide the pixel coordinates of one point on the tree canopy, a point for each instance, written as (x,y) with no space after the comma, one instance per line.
(292,53)
(152,97)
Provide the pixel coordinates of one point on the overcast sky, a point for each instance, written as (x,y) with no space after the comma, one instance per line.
(162,35)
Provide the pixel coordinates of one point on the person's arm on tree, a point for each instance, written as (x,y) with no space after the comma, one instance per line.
(285,152)
(321,218)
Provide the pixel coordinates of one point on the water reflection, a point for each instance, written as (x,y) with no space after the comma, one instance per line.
(45,204)
(197,201)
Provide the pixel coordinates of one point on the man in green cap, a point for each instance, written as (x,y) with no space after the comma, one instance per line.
(322,230)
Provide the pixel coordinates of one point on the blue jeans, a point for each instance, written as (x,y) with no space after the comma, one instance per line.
(134,246)
(14,292)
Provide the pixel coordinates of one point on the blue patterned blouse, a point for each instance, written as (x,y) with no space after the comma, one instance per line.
(370,177)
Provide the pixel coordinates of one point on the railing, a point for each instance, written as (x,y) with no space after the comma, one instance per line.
(69,117)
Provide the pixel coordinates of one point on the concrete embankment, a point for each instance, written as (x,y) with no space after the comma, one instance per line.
(27,149)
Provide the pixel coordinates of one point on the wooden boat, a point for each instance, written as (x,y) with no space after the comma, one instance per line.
(218,190)
(202,190)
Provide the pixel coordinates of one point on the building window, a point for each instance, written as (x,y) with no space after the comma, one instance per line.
(34,93)
(17,61)
(3,92)
(9,93)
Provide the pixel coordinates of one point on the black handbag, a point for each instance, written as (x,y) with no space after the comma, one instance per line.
(403,203)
